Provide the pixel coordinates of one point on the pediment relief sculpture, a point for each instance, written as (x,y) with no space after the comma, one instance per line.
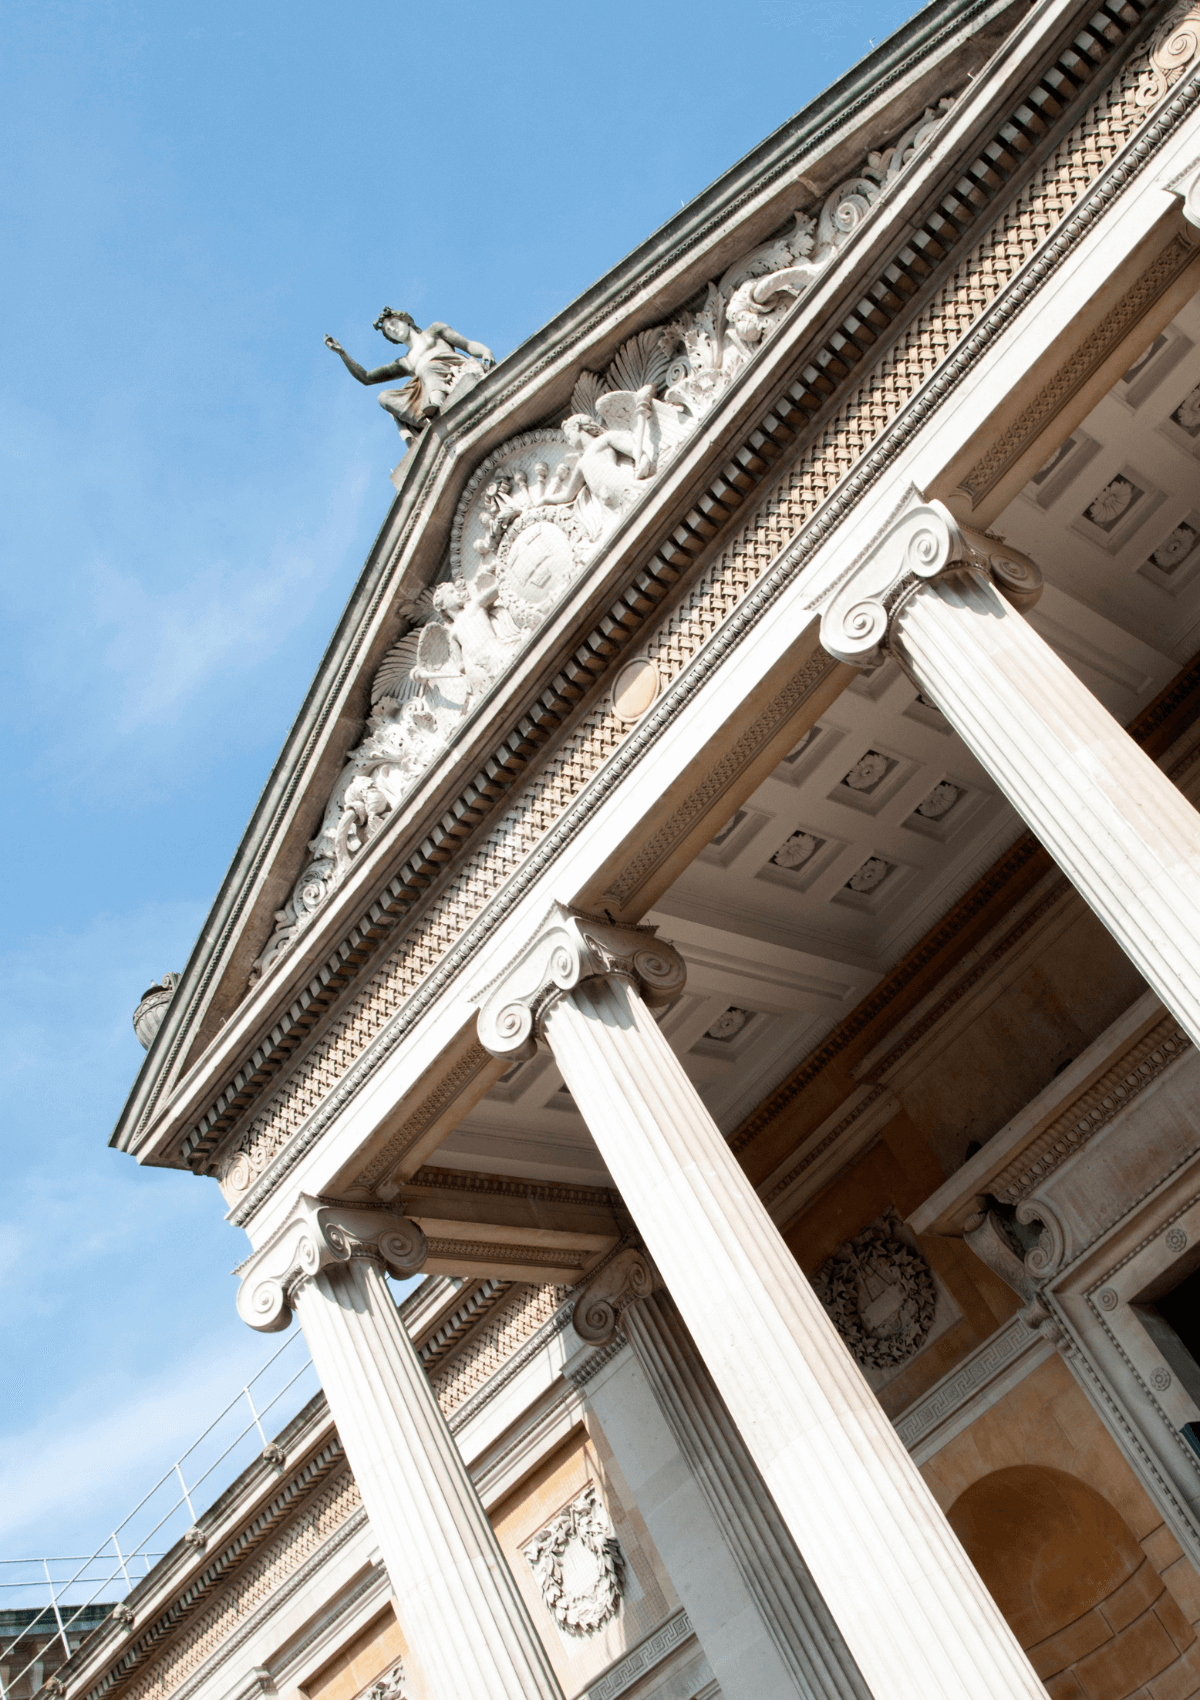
(880,1294)
(540,508)
(577,1562)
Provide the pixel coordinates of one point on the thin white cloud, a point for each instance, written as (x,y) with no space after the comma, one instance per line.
(68,1481)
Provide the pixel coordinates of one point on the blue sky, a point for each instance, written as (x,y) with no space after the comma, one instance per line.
(191,481)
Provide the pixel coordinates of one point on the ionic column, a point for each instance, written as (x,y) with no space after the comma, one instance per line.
(463,1617)
(815,1659)
(915,1616)
(946,601)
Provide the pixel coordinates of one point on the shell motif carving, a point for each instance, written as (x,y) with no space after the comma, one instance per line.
(542,506)
(880,1294)
(579,1567)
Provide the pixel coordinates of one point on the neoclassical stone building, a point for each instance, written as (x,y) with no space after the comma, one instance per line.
(728,914)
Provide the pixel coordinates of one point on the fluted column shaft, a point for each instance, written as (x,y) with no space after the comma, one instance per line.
(459,1605)
(914,1614)
(1116,825)
(776,1577)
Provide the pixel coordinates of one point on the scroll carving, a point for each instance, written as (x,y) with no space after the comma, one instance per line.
(629,1276)
(541,507)
(317,1236)
(918,545)
(570,948)
(1173,51)
(1024,1256)
(150,1013)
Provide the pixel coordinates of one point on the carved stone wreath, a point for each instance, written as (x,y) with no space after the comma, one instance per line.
(880,1293)
(389,1686)
(579,1567)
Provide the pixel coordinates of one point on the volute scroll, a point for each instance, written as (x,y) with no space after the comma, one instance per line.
(924,542)
(568,949)
(627,1277)
(317,1236)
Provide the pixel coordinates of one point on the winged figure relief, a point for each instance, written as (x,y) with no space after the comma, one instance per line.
(471,644)
(610,452)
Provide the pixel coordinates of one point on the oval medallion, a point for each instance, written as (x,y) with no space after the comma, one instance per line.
(634,689)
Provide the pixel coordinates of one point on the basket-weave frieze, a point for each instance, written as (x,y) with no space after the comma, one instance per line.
(924,347)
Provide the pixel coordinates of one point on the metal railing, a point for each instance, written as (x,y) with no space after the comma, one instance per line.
(159,1518)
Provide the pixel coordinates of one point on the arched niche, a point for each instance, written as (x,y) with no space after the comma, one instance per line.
(1069,1574)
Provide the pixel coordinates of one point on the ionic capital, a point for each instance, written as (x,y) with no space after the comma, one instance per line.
(316,1236)
(568,949)
(922,543)
(629,1276)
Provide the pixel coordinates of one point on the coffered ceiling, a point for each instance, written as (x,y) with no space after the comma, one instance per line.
(879,819)
(1113,518)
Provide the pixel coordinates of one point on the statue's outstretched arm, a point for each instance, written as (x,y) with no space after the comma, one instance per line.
(477,350)
(380,374)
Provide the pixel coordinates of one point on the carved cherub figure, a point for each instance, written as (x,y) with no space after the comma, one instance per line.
(609,461)
(441,364)
(469,644)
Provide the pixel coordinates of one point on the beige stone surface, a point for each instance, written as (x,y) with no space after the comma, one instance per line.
(578,1462)
(366,1657)
(1045,1420)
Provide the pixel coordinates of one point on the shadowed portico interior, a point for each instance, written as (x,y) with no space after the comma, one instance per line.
(727,918)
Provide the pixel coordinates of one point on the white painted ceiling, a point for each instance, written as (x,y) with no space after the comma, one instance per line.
(880,818)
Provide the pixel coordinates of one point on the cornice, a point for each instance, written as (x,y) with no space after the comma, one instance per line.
(1102,1083)
(512,1367)
(509,1186)
(278,1598)
(1082,1119)
(754,606)
(150,1637)
(758,601)
(740,208)
(1017,295)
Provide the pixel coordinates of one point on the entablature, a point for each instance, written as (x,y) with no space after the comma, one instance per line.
(802,162)
(241,1055)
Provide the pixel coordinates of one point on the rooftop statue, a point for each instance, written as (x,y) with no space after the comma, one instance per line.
(534,513)
(441,364)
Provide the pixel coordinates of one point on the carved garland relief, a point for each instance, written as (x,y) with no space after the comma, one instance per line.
(880,1295)
(1017,234)
(540,508)
(577,1562)
(389,1686)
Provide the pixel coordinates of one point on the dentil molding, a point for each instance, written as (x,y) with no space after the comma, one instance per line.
(540,509)
(315,1237)
(567,949)
(921,542)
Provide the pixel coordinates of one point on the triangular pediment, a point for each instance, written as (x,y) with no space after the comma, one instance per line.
(590,454)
